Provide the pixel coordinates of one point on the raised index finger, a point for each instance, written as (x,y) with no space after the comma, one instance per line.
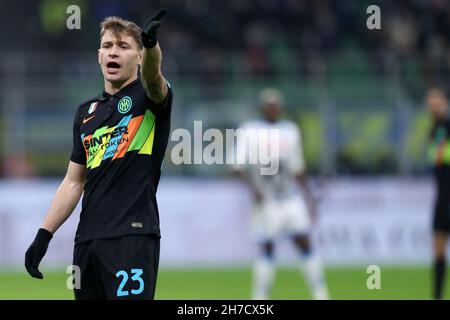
(161,13)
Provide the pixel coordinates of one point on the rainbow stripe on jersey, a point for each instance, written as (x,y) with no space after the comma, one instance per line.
(130,134)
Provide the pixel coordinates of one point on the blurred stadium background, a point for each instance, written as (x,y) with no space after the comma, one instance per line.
(357,95)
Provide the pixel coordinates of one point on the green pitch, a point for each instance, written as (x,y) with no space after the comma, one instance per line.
(344,283)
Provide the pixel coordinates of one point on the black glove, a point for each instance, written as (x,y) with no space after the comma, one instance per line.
(36,252)
(150,29)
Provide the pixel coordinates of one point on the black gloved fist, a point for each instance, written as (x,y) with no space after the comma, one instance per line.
(36,252)
(150,29)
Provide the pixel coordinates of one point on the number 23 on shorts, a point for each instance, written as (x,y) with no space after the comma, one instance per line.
(136,276)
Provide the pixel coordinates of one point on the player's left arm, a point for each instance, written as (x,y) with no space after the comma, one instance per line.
(151,74)
(309,195)
(299,167)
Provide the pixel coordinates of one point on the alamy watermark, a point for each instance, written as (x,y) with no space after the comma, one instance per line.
(73,21)
(74,280)
(250,146)
(374,20)
(374,280)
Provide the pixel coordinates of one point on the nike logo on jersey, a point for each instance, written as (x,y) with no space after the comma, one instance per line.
(87,119)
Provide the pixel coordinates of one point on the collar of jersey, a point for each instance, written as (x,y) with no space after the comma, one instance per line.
(119,94)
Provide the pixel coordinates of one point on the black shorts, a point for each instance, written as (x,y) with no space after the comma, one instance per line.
(441,217)
(118,268)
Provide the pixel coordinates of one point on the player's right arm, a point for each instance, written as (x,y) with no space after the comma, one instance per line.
(240,174)
(66,198)
(238,159)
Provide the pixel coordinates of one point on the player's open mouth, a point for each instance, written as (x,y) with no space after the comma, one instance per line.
(112,67)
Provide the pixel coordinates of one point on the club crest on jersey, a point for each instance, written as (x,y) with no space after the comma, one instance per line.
(92,107)
(124,105)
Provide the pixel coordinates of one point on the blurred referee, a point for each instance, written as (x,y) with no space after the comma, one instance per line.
(119,141)
(439,154)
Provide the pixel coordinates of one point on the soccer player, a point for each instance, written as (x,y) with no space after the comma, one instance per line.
(279,209)
(119,141)
(439,155)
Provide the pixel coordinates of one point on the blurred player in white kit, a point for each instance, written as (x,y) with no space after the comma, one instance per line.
(280,210)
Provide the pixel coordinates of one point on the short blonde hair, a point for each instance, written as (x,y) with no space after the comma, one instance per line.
(118,26)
